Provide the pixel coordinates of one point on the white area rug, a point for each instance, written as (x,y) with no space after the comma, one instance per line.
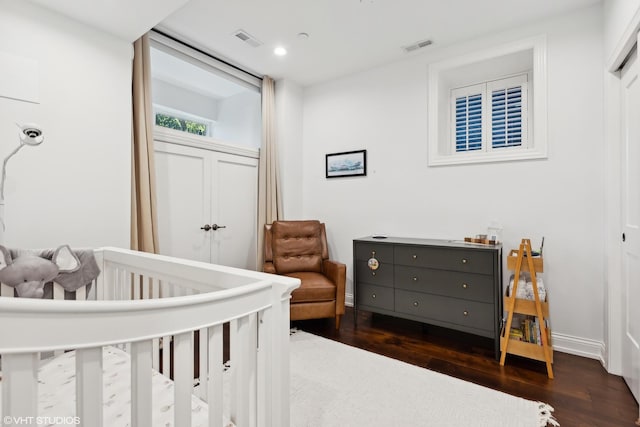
(333,384)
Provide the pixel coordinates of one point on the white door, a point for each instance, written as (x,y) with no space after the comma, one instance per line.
(183,192)
(207,205)
(630,114)
(234,206)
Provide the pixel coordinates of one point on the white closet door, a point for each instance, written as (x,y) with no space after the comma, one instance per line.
(630,112)
(207,205)
(183,186)
(234,206)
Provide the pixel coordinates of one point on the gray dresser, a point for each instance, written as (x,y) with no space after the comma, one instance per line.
(447,283)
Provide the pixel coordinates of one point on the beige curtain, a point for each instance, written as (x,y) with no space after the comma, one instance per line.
(269,198)
(144,223)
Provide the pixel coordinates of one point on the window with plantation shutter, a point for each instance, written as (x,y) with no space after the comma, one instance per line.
(469,123)
(506,117)
(509,112)
(490,116)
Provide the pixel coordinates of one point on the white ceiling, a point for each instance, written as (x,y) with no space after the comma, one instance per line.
(127,19)
(345,35)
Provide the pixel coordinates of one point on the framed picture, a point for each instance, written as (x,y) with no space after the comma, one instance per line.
(350,163)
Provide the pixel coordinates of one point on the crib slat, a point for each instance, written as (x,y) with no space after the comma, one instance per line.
(146,287)
(89,386)
(6,290)
(164,289)
(20,385)
(155,353)
(141,384)
(166,356)
(58,294)
(104,289)
(128,286)
(81,293)
(183,378)
(202,361)
(155,288)
(243,386)
(136,284)
(99,282)
(264,379)
(58,291)
(215,370)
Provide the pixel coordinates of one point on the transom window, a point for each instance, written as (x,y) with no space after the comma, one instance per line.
(199,95)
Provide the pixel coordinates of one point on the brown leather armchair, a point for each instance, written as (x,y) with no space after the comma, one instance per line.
(299,249)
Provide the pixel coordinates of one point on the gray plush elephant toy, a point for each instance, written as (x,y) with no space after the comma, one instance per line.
(28,273)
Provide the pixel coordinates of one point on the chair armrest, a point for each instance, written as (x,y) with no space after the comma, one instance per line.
(268,267)
(337,273)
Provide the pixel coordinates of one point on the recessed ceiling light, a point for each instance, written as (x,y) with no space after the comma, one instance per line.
(280,51)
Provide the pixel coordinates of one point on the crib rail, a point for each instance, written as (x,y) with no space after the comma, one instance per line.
(152,305)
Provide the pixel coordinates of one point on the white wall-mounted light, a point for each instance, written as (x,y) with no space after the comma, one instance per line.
(29,134)
(280,51)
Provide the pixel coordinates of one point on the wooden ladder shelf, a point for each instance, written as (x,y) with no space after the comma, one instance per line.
(520,261)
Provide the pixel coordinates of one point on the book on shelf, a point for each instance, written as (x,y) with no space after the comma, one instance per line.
(527,329)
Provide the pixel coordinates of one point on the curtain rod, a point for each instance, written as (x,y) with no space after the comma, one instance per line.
(169,36)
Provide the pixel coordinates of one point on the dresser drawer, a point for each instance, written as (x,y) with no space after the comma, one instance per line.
(383,276)
(444,258)
(468,286)
(471,314)
(374,296)
(380,251)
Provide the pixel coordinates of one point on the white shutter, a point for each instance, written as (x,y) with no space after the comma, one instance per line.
(467,106)
(509,112)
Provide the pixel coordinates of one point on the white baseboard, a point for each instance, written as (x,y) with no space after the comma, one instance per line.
(583,347)
(577,346)
(348,300)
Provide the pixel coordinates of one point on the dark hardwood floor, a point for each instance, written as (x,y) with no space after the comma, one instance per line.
(582,392)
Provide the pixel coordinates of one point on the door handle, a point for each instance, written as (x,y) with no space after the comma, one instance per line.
(213,227)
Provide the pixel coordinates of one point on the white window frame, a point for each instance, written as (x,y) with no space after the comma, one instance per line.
(442,152)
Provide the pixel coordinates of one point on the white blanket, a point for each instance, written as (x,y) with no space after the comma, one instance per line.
(525,289)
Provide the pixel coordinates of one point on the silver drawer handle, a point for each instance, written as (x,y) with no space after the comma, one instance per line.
(415,256)
(415,279)
(373,296)
(464,260)
(465,286)
(373,273)
(415,303)
(466,313)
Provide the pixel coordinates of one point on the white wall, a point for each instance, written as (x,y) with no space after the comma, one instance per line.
(239,119)
(617,16)
(182,99)
(384,110)
(75,187)
(289,145)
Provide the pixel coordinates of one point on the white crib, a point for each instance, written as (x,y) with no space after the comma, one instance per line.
(151,306)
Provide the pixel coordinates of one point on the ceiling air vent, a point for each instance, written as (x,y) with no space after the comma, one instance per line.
(247,38)
(416,46)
